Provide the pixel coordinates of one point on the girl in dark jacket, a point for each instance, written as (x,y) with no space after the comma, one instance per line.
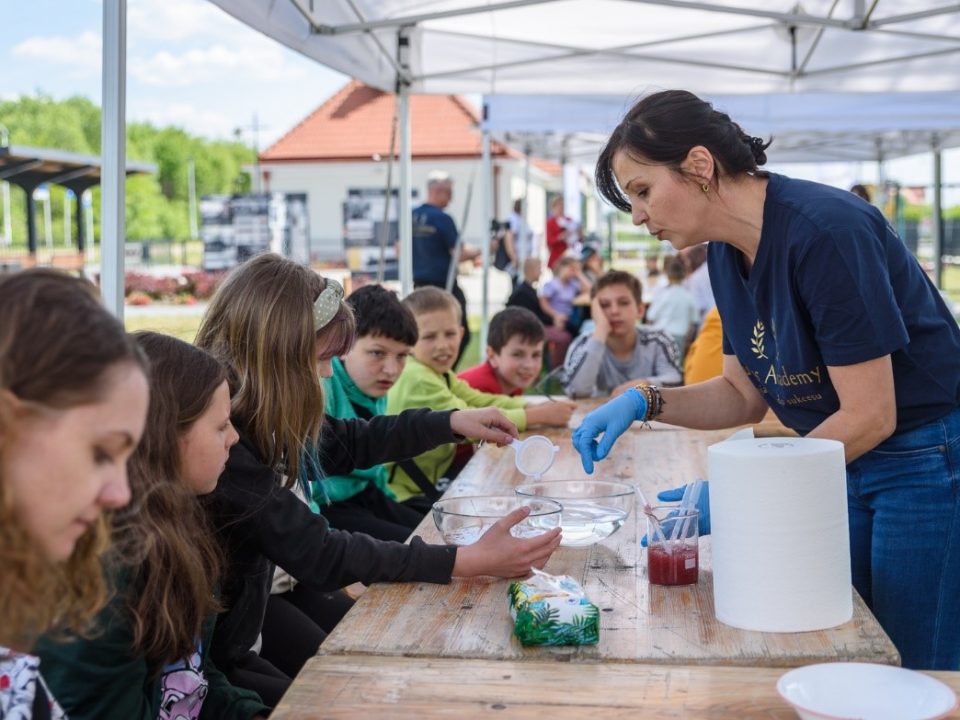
(148,657)
(276,325)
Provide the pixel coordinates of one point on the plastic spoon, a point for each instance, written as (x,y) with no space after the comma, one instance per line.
(648,511)
(689,501)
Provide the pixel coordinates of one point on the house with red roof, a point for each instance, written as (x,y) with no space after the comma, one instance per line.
(338,156)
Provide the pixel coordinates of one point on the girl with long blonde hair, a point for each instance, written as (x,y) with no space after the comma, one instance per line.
(276,326)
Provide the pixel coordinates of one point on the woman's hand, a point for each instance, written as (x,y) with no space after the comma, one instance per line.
(610,420)
(488,424)
(500,554)
(556,413)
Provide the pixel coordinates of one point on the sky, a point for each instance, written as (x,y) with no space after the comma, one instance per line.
(191,65)
(188,64)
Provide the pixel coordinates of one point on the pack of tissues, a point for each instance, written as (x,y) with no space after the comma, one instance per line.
(552,610)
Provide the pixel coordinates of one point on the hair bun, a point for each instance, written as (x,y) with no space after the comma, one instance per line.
(758,147)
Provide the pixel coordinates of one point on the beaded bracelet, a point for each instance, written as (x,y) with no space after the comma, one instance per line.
(655,402)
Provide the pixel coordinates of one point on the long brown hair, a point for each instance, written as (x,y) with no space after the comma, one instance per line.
(58,346)
(163,543)
(260,325)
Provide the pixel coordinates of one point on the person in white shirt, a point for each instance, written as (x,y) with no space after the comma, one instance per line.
(698,279)
(675,310)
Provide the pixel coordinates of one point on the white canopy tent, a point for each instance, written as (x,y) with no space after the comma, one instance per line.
(806,127)
(623,47)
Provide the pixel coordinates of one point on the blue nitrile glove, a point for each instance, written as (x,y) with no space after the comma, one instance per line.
(703,507)
(612,419)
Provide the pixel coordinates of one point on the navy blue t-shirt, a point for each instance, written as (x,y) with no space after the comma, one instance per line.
(434,236)
(833,284)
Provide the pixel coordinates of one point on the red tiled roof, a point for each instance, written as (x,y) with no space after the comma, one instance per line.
(354,124)
(547,166)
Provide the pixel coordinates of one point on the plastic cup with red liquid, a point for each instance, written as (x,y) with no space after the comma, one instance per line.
(673,555)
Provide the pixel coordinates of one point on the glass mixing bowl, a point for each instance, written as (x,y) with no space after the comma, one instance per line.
(462,520)
(593,510)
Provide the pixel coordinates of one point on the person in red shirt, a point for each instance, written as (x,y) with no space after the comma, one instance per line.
(561,232)
(514,360)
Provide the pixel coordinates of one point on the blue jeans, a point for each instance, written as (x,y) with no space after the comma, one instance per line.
(904,502)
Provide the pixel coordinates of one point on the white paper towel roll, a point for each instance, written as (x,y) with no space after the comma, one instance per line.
(781,548)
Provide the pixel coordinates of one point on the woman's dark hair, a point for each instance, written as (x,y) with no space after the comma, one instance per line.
(163,541)
(662,128)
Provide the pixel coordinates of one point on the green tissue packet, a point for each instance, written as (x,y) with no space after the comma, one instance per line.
(552,610)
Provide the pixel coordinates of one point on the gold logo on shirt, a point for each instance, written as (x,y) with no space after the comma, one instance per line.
(756,343)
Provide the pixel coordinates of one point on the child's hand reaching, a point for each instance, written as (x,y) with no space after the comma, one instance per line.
(556,413)
(487,424)
(500,554)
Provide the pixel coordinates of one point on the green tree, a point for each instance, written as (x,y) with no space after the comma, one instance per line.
(156,205)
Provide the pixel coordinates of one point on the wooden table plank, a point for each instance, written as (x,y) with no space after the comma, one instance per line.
(639,622)
(351,686)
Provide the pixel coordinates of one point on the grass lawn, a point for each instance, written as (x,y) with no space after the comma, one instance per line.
(181,326)
(185,328)
(951,281)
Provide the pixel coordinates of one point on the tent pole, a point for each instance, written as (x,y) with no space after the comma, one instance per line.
(404,207)
(31,220)
(519,244)
(385,228)
(113,139)
(937,213)
(405,219)
(487,218)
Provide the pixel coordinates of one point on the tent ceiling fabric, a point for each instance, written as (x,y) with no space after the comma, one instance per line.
(626,47)
(809,127)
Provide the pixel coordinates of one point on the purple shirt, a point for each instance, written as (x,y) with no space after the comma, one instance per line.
(560,294)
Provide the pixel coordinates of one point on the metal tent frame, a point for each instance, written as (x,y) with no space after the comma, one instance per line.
(623,47)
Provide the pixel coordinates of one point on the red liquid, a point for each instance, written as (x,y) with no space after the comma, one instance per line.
(679,567)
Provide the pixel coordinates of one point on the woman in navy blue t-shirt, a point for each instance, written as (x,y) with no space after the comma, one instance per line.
(829,321)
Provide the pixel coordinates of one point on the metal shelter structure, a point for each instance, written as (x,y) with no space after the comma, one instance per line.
(806,127)
(28,168)
(621,46)
(624,47)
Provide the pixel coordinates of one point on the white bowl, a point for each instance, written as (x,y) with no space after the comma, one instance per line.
(862,691)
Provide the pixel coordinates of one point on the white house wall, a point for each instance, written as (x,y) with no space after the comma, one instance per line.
(326,185)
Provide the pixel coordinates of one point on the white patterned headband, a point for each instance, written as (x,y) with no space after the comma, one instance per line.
(325,307)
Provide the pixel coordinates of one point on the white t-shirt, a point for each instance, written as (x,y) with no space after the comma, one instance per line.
(522,234)
(674,311)
(698,283)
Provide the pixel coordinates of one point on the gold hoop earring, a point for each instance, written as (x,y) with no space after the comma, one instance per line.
(705,187)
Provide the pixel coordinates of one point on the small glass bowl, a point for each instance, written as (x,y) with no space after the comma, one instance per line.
(593,510)
(462,520)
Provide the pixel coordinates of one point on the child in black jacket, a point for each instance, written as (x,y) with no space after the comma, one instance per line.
(276,325)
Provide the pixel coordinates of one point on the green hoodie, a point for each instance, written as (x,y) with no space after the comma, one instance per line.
(341,396)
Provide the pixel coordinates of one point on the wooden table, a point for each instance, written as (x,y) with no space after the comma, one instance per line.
(366,686)
(639,622)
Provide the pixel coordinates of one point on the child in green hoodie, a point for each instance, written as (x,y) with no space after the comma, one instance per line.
(386,333)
